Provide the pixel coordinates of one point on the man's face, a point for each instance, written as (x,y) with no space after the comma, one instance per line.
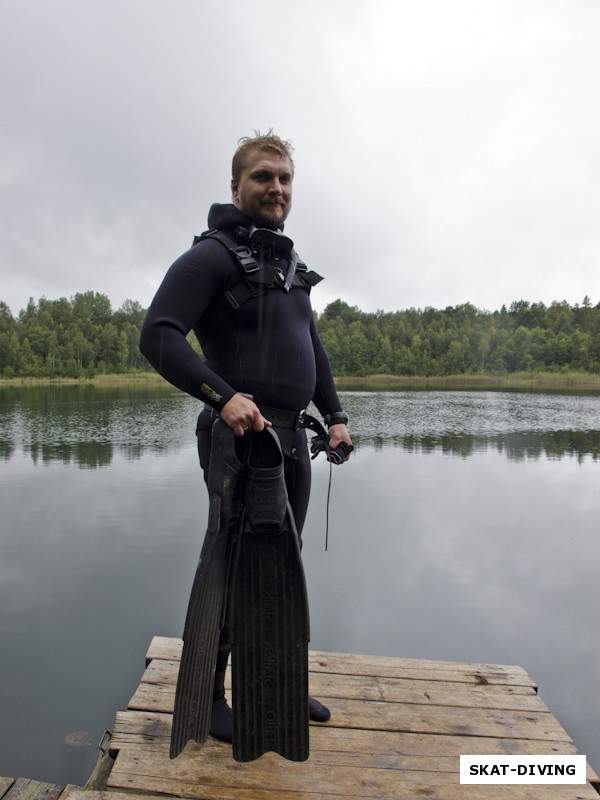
(264,190)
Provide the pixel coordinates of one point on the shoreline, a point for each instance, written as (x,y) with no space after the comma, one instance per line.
(518,381)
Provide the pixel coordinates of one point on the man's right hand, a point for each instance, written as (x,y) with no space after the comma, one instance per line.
(242,415)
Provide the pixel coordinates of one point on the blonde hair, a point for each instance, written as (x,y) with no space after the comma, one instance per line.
(267,141)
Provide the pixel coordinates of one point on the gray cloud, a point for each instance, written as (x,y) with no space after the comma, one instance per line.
(445,152)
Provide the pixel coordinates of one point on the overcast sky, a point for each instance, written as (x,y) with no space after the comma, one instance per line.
(447,151)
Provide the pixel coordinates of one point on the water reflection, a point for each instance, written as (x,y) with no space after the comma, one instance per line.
(87,425)
(388,414)
(519,426)
(515,446)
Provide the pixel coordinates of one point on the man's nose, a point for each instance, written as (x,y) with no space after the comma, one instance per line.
(275,186)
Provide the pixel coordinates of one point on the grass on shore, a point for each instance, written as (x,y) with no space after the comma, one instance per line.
(105,380)
(517,381)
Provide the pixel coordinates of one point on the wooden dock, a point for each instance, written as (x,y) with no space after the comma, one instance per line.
(25,789)
(398,727)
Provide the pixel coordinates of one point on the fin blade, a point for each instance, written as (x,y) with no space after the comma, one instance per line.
(270,647)
(193,696)
(208,598)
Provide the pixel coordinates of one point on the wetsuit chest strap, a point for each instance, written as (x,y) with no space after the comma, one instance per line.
(256,280)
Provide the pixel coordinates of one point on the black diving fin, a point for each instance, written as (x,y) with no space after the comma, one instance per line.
(269,617)
(208,599)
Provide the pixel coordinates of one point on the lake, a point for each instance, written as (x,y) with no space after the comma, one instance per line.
(464,528)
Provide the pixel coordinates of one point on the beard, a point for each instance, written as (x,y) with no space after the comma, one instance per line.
(264,215)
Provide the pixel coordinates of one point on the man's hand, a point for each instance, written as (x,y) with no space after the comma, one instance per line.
(242,414)
(338,434)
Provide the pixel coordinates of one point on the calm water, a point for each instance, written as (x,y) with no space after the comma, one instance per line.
(464,528)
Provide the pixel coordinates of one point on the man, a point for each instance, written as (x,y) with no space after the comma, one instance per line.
(247,298)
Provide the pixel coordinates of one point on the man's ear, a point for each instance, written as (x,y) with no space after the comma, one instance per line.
(235,193)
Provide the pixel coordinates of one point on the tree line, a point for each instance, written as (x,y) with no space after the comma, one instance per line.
(463,339)
(77,338)
(83,336)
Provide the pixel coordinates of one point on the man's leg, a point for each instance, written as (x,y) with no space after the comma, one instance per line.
(221,721)
(298,478)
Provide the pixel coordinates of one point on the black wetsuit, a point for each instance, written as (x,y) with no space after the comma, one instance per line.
(268,348)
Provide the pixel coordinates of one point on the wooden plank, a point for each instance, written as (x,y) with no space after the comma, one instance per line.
(5,784)
(370,715)
(153,697)
(161,697)
(160,679)
(170,649)
(141,727)
(435,793)
(351,664)
(447,720)
(76,793)
(141,723)
(331,745)
(391,667)
(388,672)
(165,671)
(164,647)
(153,730)
(273,778)
(425,692)
(427,717)
(69,788)
(24,789)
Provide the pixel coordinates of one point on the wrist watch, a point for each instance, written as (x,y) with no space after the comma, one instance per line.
(337,418)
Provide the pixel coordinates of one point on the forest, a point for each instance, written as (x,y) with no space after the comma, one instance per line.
(83,337)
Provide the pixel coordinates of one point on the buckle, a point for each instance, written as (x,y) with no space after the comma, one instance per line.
(300,420)
(246,258)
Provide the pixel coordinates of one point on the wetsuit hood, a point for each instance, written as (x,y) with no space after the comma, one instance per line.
(226,215)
